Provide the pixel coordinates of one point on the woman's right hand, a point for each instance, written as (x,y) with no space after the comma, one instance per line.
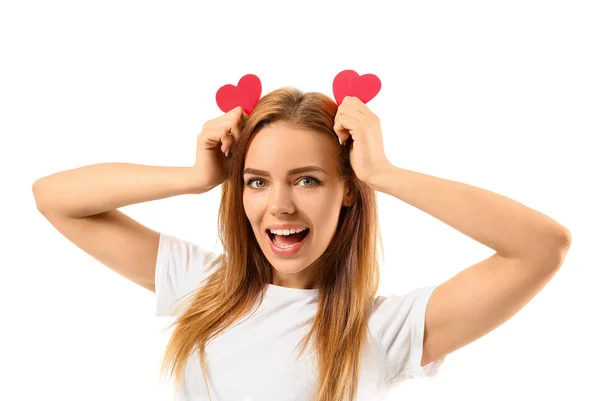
(213,143)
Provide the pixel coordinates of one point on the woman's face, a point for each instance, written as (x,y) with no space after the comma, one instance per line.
(311,199)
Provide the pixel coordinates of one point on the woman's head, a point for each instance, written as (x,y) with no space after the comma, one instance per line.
(275,195)
(311,197)
(289,129)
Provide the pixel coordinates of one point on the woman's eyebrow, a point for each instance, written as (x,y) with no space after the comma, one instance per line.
(291,172)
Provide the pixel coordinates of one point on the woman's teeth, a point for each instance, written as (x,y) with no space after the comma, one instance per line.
(287,232)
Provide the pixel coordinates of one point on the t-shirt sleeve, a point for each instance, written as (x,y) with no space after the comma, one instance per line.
(180,268)
(399,324)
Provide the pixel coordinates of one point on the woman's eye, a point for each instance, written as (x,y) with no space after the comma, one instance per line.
(252,180)
(315,182)
(311,179)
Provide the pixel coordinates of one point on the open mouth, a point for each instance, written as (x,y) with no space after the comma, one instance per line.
(284,241)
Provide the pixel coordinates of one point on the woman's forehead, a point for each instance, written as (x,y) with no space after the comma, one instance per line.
(284,147)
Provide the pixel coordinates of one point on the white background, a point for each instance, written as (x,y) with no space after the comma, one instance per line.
(500,95)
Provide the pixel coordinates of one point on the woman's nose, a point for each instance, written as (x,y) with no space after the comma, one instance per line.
(280,200)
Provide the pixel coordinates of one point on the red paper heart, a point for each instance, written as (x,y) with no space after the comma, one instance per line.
(245,94)
(349,83)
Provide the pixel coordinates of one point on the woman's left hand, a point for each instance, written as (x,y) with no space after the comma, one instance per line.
(354,119)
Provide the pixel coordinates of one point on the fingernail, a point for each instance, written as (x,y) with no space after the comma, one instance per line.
(340,139)
(226,152)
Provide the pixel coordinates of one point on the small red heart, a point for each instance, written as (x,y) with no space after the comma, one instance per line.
(349,83)
(245,94)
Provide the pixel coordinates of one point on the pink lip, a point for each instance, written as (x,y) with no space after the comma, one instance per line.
(287,252)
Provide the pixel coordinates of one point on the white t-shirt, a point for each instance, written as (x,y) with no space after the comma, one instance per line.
(255,360)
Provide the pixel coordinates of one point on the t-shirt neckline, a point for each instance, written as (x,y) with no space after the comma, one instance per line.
(277,289)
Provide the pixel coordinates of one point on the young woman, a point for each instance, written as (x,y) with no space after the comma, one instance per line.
(289,310)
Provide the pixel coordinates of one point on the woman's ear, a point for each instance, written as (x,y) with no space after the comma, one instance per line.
(348,194)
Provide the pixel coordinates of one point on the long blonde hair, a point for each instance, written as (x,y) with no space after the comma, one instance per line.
(349,267)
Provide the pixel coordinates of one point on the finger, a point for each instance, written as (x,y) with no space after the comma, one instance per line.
(235,131)
(243,116)
(235,126)
(233,137)
(356,110)
(350,124)
(341,131)
(226,143)
(237,121)
(239,118)
(356,106)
